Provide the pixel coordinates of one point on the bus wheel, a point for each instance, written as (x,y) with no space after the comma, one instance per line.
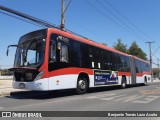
(82,86)
(123,84)
(145,81)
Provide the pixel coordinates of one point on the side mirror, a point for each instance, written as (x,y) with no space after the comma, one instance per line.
(7,51)
(9,47)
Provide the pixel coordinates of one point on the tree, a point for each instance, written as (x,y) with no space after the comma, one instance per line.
(5,72)
(120,46)
(104,44)
(136,51)
(156,72)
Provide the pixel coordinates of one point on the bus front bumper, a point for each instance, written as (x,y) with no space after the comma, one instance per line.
(39,85)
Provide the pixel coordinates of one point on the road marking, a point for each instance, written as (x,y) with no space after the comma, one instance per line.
(156,91)
(111,98)
(100,96)
(158,87)
(1,107)
(129,98)
(147,99)
(125,98)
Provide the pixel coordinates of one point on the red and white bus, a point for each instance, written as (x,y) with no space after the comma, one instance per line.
(51,59)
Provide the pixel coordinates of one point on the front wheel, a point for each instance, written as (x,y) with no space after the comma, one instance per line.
(82,86)
(145,81)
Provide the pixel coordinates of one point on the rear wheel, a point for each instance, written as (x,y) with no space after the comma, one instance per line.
(82,86)
(123,84)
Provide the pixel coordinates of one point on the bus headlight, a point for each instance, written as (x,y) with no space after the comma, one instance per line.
(39,75)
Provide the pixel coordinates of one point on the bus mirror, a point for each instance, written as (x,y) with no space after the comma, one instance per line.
(7,51)
(8,48)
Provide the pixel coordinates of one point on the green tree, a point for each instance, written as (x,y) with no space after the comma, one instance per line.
(137,51)
(6,72)
(104,44)
(156,72)
(120,46)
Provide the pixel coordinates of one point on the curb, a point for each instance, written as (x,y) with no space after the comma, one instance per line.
(4,93)
(9,92)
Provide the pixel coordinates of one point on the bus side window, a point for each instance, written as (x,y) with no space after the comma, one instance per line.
(64,53)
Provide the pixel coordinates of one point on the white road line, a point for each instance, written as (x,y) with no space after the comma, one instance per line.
(129,98)
(147,99)
(1,107)
(101,96)
(110,98)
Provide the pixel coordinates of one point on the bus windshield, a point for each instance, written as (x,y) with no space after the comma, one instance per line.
(30,53)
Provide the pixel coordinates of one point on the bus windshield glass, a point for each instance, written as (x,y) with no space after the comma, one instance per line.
(30,53)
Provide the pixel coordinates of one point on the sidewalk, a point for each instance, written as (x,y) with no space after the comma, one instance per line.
(6,87)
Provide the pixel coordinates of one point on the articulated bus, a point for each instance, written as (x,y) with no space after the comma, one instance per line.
(51,59)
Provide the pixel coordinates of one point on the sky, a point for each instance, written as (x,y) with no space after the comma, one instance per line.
(94,19)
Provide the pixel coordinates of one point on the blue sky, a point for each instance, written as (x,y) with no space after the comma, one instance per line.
(85,20)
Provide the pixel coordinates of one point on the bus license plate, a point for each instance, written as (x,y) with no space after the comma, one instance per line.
(21,85)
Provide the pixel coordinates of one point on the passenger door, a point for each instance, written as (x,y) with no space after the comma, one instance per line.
(133,70)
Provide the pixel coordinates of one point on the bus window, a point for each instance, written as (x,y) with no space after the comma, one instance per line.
(52,52)
(64,53)
(31,57)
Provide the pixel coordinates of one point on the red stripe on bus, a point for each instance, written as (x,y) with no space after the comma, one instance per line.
(137,74)
(66,71)
(141,74)
(124,73)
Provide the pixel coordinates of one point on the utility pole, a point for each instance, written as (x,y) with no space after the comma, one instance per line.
(63,16)
(63,10)
(150,53)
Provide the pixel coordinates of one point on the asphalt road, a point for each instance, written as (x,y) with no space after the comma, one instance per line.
(139,98)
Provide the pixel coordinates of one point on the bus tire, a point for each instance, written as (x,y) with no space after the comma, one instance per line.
(82,86)
(123,84)
(145,81)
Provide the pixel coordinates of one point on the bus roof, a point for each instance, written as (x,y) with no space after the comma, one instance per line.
(90,42)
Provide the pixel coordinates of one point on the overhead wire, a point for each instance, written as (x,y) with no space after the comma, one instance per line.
(97,9)
(24,20)
(126,19)
(67,6)
(121,21)
(130,30)
(41,23)
(85,28)
(31,18)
